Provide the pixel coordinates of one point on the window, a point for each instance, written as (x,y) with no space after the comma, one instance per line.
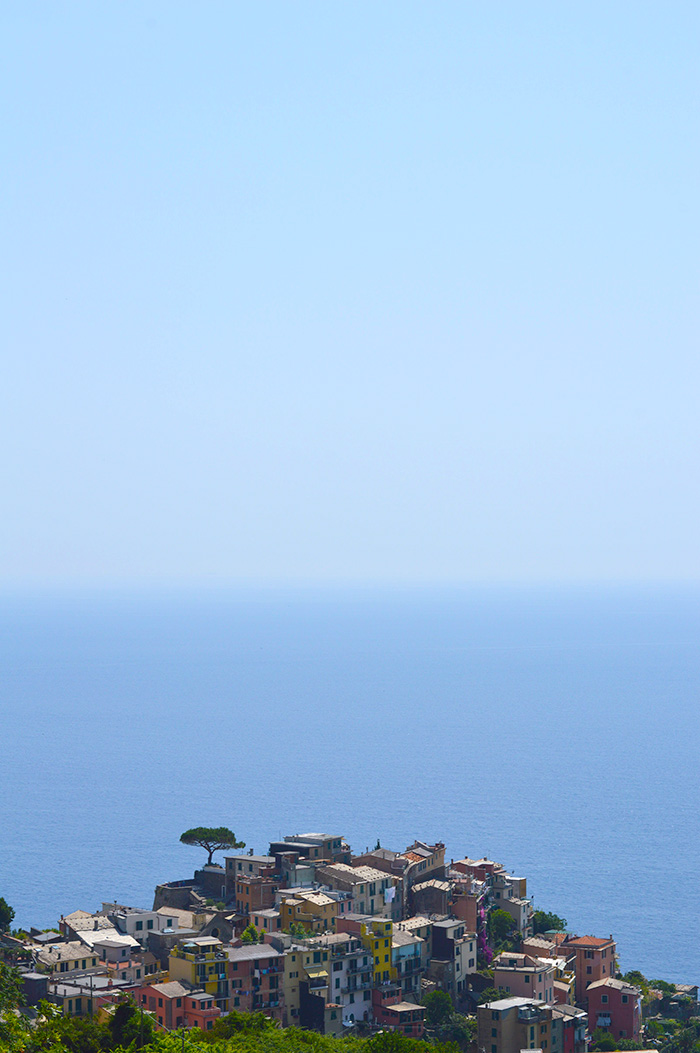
(149,923)
(603,998)
(160,1003)
(527,979)
(78,1005)
(588,970)
(625,999)
(138,974)
(367,995)
(494,1032)
(178,1002)
(139,926)
(317,956)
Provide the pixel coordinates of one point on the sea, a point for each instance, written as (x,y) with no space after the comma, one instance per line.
(553,729)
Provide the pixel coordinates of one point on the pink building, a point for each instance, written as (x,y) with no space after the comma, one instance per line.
(523,976)
(615,1006)
(389,1010)
(176,1004)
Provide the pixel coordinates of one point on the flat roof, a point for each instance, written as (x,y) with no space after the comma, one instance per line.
(251,952)
(512,1003)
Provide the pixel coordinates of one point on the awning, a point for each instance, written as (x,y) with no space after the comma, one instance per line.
(317,974)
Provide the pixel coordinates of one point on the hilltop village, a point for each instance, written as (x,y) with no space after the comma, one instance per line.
(316,937)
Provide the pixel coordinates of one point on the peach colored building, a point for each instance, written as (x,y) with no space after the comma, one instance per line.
(522,976)
(595,960)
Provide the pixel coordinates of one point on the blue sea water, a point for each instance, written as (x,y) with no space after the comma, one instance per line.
(555,730)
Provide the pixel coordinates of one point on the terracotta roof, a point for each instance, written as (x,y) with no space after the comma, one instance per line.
(618,985)
(589,941)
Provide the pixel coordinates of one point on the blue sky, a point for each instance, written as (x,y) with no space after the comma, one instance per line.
(369,292)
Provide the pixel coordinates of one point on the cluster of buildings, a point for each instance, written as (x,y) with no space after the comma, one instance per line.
(317,937)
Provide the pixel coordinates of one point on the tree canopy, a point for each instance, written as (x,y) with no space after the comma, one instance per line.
(211,838)
(544,922)
(439,1008)
(6,915)
(500,924)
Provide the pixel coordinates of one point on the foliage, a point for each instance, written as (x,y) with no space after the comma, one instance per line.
(544,922)
(250,935)
(439,1009)
(672,1036)
(298,930)
(393,1042)
(603,1041)
(6,915)
(667,990)
(235,1033)
(128,1025)
(448,1026)
(211,838)
(234,1024)
(10,988)
(500,925)
(637,979)
(490,994)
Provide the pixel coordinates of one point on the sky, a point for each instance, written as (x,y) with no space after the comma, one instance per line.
(349,292)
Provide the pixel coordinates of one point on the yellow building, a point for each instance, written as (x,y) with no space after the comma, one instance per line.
(314,910)
(315,970)
(293,972)
(377,937)
(202,962)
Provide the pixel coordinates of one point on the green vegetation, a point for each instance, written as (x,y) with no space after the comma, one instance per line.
(674,1036)
(490,994)
(502,931)
(211,838)
(298,930)
(6,915)
(446,1025)
(129,1030)
(544,922)
(251,935)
